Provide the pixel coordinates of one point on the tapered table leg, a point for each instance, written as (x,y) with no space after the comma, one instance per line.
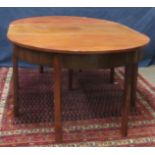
(57,98)
(41,69)
(112,72)
(70,79)
(126,102)
(15,81)
(134,84)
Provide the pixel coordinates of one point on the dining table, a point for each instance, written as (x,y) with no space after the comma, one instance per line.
(74,42)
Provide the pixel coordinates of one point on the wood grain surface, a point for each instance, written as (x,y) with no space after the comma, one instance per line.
(79,35)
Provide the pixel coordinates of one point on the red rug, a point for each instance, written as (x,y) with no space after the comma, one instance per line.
(91,111)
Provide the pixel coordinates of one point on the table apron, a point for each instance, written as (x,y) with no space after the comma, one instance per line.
(76,61)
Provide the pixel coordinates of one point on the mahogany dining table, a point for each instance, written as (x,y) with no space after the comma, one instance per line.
(77,43)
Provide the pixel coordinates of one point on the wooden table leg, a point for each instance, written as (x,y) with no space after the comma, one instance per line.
(57,98)
(41,69)
(134,84)
(112,73)
(15,81)
(126,102)
(70,79)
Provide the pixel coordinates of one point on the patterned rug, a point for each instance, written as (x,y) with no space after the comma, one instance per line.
(91,111)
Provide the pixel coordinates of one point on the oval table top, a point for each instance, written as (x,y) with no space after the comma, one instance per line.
(70,34)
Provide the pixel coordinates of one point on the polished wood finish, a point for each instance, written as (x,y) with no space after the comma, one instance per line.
(77,43)
(78,61)
(57,98)
(112,73)
(76,35)
(126,102)
(134,84)
(15,80)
